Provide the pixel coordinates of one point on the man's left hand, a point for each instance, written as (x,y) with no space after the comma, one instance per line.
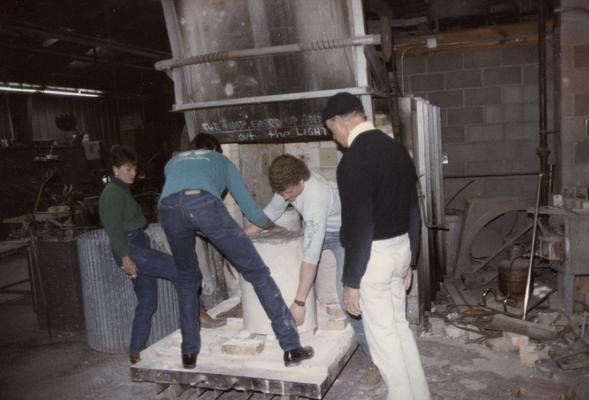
(352,301)
(298,313)
(408,278)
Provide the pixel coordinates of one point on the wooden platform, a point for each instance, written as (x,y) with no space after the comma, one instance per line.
(265,372)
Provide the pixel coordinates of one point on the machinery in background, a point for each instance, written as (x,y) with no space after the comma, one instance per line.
(560,256)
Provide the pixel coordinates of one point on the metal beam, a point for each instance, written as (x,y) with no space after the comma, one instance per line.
(267,51)
(79,57)
(275,98)
(14,25)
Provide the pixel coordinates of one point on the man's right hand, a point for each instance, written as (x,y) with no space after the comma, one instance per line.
(252,229)
(129,267)
(298,313)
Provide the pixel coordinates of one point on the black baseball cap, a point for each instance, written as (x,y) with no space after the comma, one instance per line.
(341,104)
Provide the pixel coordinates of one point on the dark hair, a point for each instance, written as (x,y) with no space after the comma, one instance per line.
(285,171)
(206,141)
(120,155)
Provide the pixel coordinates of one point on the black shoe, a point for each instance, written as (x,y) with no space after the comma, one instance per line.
(134,358)
(295,356)
(189,360)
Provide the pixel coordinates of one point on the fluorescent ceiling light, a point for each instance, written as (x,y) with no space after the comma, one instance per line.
(52,90)
(66,93)
(14,89)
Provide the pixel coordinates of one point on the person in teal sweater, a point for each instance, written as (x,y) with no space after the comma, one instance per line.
(191,201)
(125,225)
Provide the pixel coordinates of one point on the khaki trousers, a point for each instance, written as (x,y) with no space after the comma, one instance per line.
(391,342)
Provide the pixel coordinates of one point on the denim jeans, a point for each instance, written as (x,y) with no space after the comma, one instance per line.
(151,264)
(187,211)
(332,242)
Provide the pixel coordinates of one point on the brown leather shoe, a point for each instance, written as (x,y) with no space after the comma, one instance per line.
(371,378)
(235,312)
(207,322)
(134,358)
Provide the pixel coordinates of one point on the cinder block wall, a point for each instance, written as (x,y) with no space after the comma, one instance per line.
(489,112)
(574,86)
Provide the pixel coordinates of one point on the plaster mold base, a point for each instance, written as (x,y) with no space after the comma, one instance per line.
(261,369)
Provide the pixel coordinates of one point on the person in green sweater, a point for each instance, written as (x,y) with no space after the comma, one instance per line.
(125,225)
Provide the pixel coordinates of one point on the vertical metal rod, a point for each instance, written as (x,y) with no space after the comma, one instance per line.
(551,178)
(9,115)
(402,72)
(39,277)
(358,29)
(543,151)
(533,250)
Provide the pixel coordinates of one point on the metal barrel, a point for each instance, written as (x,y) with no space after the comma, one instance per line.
(109,299)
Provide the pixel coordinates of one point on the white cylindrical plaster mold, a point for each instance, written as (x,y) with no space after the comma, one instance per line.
(290,219)
(283,254)
(325,284)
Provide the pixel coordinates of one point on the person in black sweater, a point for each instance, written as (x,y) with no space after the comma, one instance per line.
(380,217)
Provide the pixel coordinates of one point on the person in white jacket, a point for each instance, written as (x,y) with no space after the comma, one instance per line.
(317,201)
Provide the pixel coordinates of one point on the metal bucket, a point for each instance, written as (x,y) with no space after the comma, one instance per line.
(513,277)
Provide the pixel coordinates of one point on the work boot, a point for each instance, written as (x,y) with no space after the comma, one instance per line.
(207,322)
(371,378)
(295,356)
(189,360)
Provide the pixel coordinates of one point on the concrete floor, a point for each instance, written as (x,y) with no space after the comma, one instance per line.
(34,366)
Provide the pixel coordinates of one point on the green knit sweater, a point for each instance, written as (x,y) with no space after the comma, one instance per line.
(119,213)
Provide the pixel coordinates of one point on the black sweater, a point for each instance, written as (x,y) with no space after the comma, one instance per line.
(377,184)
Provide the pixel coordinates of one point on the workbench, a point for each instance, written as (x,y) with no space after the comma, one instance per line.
(16,247)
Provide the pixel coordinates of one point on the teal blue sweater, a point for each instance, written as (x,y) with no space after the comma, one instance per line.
(213,172)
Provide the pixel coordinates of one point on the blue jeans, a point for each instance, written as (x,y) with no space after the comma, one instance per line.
(333,243)
(151,264)
(183,213)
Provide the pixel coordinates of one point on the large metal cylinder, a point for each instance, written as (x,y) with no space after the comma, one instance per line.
(197,27)
(283,254)
(109,299)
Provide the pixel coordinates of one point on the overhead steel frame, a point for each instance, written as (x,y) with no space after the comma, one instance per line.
(177,74)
